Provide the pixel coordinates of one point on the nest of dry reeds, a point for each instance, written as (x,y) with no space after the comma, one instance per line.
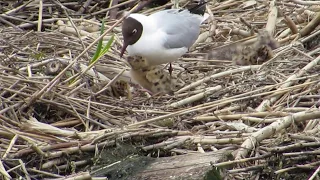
(60,117)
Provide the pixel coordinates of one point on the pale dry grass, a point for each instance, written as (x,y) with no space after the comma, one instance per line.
(260,112)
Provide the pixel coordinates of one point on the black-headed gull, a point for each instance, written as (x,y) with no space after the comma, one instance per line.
(164,36)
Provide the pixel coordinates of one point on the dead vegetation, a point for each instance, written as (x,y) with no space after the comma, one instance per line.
(62,119)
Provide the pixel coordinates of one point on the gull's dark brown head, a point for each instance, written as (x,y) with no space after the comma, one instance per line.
(131,31)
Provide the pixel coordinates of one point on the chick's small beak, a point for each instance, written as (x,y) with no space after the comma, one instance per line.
(123,49)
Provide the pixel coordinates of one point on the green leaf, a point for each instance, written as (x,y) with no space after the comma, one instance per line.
(99,46)
(107,46)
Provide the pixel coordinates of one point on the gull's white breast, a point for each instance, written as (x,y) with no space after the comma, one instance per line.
(156,33)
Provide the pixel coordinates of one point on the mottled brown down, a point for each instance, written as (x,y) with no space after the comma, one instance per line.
(257,53)
(153,78)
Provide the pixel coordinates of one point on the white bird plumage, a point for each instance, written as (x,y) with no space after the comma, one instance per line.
(165,36)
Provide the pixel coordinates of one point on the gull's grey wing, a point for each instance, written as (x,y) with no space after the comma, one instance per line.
(181,27)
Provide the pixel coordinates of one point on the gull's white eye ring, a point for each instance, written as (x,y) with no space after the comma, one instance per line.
(134,31)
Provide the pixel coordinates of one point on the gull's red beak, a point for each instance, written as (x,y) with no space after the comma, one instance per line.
(123,49)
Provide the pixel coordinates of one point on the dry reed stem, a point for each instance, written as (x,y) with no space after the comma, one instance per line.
(76,121)
(310,26)
(272,18)
(270,130)
(207,92)
(307,3)
(40,15)
(4,172)
(315,174)
(268,102)
(222,74)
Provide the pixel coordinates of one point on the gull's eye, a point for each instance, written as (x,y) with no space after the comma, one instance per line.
(134,31)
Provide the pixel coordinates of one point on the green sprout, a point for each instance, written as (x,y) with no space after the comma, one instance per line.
(101,50)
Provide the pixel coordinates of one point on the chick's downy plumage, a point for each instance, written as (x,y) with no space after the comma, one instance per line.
(155,79)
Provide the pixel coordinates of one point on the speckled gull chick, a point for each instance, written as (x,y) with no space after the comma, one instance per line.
(164,36)
(154,79)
